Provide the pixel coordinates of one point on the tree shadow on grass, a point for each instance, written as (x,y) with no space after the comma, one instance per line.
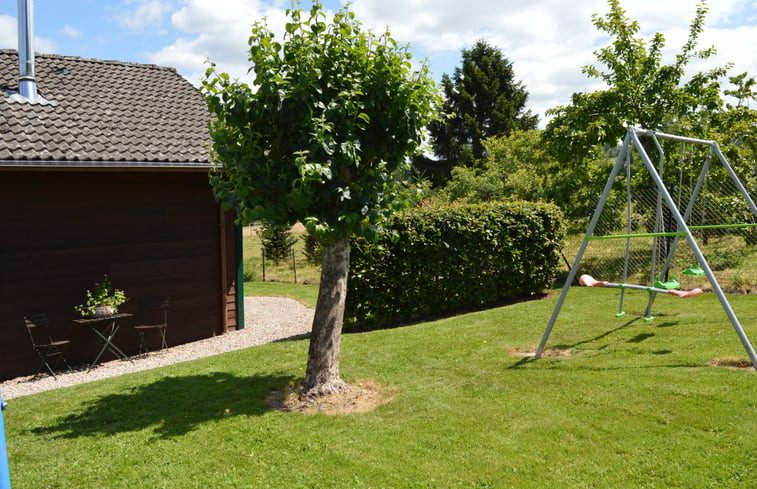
(170,407)
(626,324)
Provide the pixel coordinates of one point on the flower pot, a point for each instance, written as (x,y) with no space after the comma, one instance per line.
(103,311)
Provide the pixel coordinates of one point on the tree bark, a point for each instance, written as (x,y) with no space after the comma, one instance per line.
(322,374)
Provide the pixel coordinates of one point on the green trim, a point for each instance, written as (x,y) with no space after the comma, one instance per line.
(725,226)
(240,277)
(636,235)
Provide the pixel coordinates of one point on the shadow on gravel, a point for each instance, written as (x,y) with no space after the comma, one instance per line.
(170,407)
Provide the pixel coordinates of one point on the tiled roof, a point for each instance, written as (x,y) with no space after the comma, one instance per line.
(104,111)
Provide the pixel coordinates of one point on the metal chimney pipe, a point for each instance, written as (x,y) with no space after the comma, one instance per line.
(27,85)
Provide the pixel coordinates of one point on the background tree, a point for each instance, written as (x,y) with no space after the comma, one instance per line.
(277,242)
(642,91)
(485,100)
(517,167)
(323,139)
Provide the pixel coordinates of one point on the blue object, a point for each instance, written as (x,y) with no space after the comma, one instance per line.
(5,477)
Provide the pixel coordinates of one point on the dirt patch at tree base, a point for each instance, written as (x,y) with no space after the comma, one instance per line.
(360,397)
(736,363)
(531,352)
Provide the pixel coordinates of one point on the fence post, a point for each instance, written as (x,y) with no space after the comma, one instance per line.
(294,262)
(263,250)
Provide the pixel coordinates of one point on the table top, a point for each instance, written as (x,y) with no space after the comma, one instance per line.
(104,318)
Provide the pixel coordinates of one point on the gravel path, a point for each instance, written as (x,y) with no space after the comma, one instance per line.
(267,319)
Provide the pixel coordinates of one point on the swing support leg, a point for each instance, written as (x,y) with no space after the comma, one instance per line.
(584,243)
(686,216)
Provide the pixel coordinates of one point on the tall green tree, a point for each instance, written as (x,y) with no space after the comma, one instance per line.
(642,90)
(484,100)
(323,139)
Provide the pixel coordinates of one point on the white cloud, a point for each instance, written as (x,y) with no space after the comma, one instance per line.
(548,41)
(8,32)
(71,32)
(9,37)
(147,13)
(215,33)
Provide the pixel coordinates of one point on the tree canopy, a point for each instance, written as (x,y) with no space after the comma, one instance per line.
(326,132)
(642,91)
(324,138)
(483,99)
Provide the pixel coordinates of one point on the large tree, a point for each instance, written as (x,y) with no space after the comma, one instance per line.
(642,91)
(483,99)
(323,138)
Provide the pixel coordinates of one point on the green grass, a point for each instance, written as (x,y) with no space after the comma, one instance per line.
(305,293)
(635,406)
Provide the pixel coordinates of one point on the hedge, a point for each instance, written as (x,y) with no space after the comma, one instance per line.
(441,258)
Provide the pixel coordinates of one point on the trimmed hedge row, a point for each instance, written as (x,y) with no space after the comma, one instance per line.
(447,257)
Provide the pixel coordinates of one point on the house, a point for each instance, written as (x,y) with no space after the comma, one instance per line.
(106,172)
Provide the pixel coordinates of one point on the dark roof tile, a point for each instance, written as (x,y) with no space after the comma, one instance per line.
(105,111)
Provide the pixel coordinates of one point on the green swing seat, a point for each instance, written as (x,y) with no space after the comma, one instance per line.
(695,271)
(669,285)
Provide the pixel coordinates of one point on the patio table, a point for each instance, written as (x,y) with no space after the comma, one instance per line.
(107,325)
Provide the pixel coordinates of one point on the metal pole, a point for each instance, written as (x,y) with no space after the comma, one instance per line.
(5,478)
(657,218)
(735,179)
(621,313)
(582,249)
(672,137)
(294,262)
(702,261)
(687,214)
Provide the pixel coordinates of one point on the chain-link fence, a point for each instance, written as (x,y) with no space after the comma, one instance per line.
(637,234)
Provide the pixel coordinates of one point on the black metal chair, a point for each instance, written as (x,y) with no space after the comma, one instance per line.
(48,350)
(155,317)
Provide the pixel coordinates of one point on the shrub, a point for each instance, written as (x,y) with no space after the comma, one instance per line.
(312,249)
(277,242)
(248,271)
(447,257)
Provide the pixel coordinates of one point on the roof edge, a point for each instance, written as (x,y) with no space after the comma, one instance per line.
(92,60)
(118,165)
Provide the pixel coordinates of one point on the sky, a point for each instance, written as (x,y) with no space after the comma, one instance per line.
(547,41)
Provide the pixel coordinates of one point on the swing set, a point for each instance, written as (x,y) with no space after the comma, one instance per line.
(672,220)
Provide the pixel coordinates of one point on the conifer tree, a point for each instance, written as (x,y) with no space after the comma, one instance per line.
(484,100)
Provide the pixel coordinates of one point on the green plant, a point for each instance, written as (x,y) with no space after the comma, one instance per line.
(312,249)
(452,257)
(277,242)
(484,99)
(321,136)
(102,295)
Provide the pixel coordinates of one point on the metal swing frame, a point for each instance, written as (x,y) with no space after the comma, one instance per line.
(630,142)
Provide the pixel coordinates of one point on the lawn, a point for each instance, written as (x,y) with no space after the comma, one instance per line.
(633,406)
(307,294)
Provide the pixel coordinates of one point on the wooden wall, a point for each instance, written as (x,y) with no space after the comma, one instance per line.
(153,233)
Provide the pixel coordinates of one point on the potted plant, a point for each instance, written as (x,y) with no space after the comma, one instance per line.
(103,300)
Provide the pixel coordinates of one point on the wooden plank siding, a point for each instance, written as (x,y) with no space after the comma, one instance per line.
(153,233)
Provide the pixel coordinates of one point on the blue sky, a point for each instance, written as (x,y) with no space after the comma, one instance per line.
(548,41)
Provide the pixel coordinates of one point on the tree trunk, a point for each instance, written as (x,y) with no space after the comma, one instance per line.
(322,375)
